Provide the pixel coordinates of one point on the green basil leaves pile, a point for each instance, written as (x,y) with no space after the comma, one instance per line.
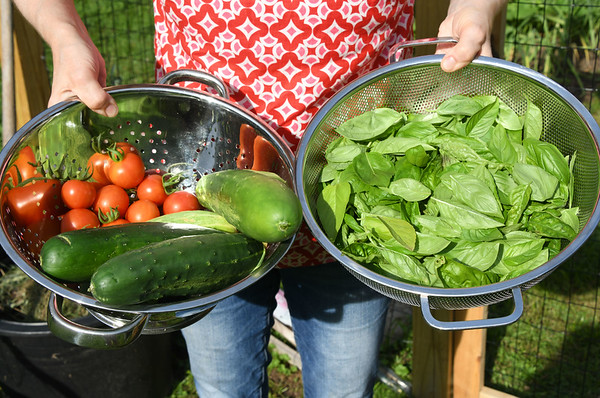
(464,196)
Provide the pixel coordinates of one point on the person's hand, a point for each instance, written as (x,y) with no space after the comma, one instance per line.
(79,71)
(471,22)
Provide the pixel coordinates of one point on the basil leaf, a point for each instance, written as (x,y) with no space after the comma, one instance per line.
(532,125)
(464,216)
(373,168)
(501,146)
(458,105)
(405,169)
(457,275)
(480,123)
(331,207)
(508,118)
(424,131)
(545,224)
(515,252)
(438,226)
(519,199)
(370,124)
(543,184)
(386,228)
(417,156)
(474,193)
(343,153)
(480,255)
(409,189)
(399,145)
(405,267)
(548,157)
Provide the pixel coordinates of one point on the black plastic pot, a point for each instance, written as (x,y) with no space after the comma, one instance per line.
(34,363)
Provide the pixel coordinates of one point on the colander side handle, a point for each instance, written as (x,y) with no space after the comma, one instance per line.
(398,48)
(91,337)
(188,75)
(476,323)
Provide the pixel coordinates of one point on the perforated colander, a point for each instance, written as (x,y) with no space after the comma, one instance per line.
(419,85)
(193,131)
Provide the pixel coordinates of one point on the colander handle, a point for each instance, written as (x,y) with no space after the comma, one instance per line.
(476,323)
(91,337)
(398,48)
(188,75)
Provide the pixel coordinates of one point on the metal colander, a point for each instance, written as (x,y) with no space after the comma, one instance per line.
(419,85)
(193,131)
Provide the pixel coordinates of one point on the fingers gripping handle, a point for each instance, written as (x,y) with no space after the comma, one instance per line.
(476,323)
(398,48)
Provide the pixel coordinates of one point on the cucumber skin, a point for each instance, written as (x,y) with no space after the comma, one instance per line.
(74,256)
(203,218)
(260,206)
(188,265)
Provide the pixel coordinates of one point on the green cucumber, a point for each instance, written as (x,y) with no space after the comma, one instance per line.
(179,267)
(202,218)
(74,256)
(260,205)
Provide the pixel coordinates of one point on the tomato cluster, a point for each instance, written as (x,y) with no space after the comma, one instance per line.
(119,189)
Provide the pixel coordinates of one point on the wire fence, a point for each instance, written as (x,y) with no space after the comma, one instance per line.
(553,350)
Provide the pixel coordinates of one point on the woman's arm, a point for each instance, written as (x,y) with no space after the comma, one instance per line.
(471,22)
(78,66)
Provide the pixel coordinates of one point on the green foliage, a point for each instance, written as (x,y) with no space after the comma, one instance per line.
(472,199)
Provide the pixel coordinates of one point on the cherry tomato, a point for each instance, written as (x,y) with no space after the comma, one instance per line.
(111,197)
(127,172)
(77,194)
(118,221)
(152,188)
(35,201)
(79,219)
(180,201)
(126,147)
(97,163)
(24,167)
(142,210)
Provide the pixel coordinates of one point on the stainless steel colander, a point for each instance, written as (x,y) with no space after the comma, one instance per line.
(419,85)
(195,131)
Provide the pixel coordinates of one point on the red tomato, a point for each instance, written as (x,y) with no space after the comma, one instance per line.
(118,221)
(127,172)
(24,167)
(151,188)
(35,201)
(77,194)
(142,210)
(79,219)
(36,234)
(180,201)
(111,197)
(126,147)
(97,164)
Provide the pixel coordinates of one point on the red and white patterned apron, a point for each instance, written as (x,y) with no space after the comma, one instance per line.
(281,59)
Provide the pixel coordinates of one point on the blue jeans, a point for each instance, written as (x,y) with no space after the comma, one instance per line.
(338,326)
